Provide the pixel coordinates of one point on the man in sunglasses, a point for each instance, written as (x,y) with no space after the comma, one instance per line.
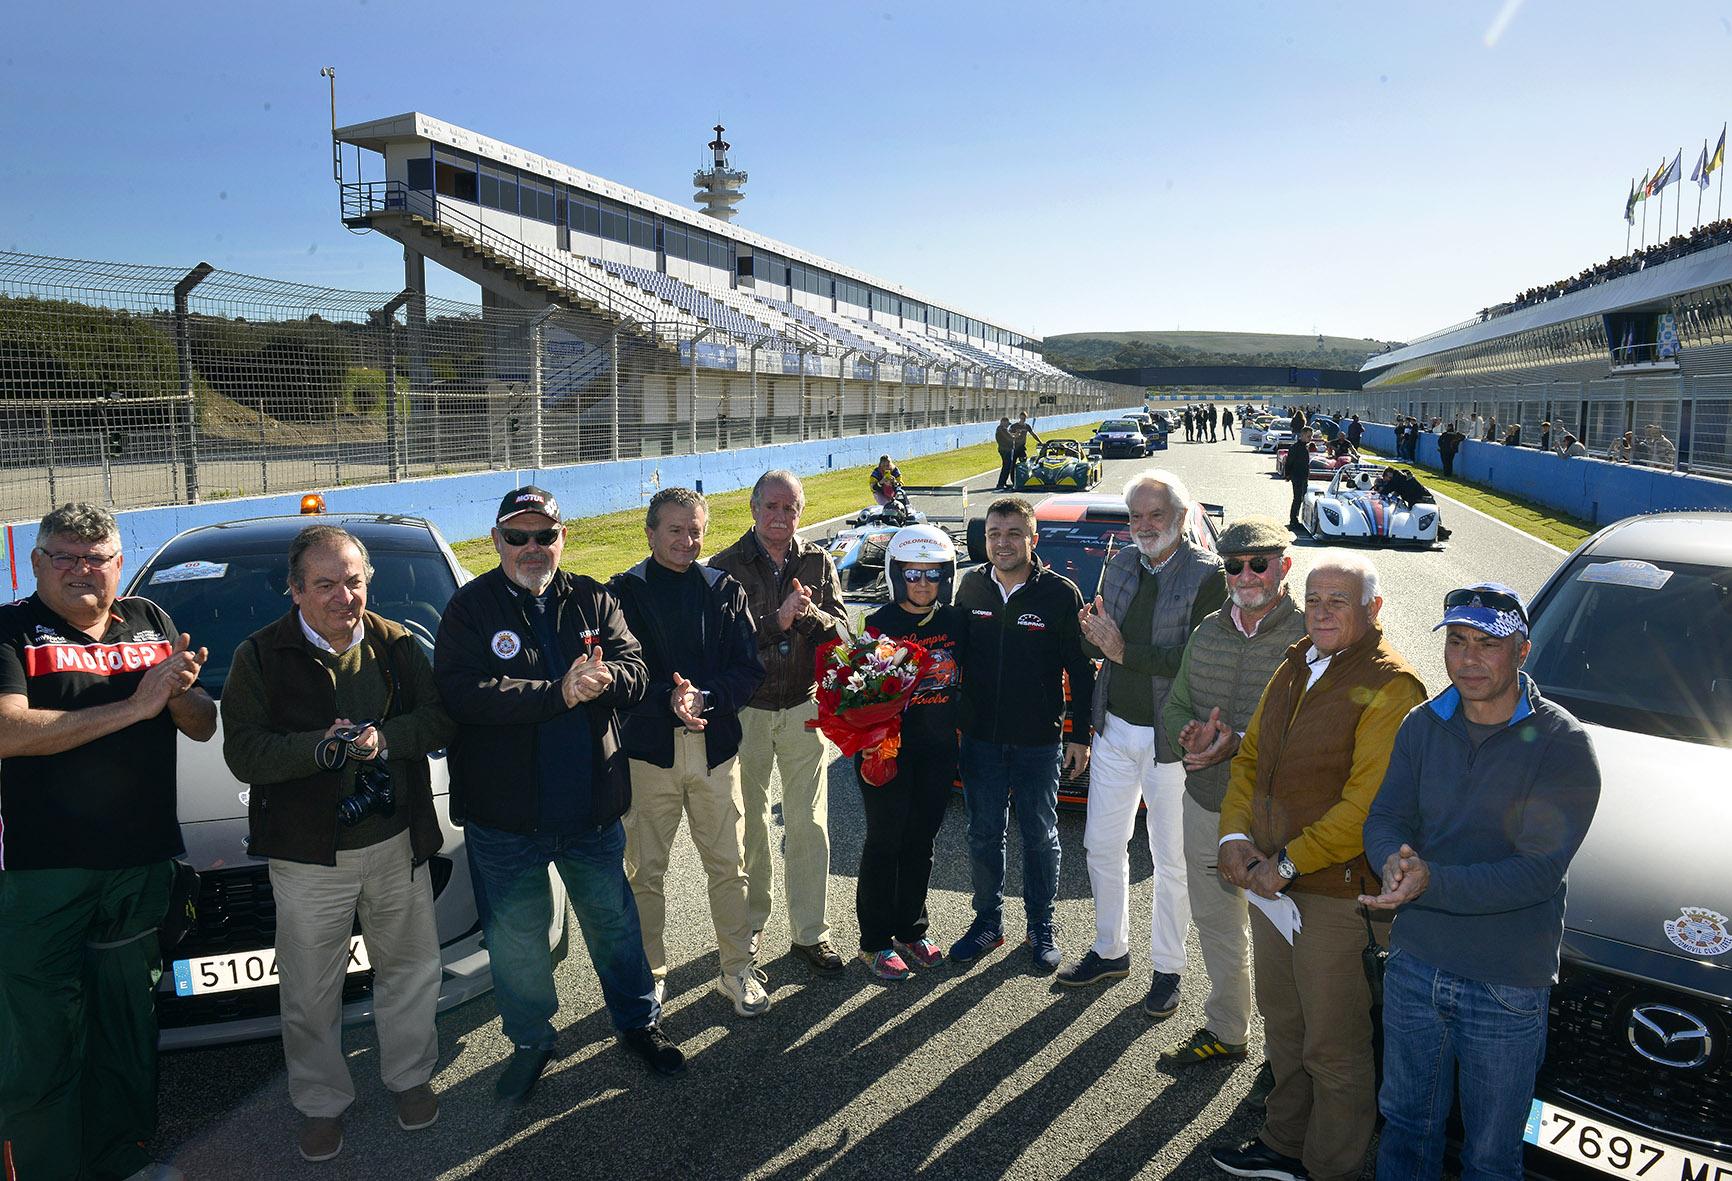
(1154,593)
(1308,766)
(1489,794)
(796,601)
(1229,658)
(535,665)
(95,690)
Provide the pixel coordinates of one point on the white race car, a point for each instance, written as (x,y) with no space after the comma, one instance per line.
(858,548)
(1274,438)
(1375,504)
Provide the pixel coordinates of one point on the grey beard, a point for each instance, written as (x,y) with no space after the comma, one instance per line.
(1161,543)
(1239,600)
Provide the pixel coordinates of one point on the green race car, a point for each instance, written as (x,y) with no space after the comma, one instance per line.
(1061,465)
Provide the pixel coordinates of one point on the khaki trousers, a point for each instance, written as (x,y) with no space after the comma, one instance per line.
(1218,909)
(1316,1010)
(779,737)
(316,909)
(710,801)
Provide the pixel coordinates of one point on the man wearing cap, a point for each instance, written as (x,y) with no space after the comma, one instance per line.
(1489,793)
(1309,763)
(1228,661)
(1153,594)
(535,665)
(796,601)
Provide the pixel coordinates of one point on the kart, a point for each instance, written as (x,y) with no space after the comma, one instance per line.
(858,548)
(1059,465)
(1122,438)
(1373,503)
(1323,464)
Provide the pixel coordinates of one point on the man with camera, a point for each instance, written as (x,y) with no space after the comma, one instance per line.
(329,714)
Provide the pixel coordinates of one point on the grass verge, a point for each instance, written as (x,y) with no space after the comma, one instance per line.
(1536,520)
(603,546)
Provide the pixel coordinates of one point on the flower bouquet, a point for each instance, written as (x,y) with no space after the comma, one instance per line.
(863,686)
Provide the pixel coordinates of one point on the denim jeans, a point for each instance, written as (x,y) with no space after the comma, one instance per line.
(1435,1024)
(993,775)
(509,871)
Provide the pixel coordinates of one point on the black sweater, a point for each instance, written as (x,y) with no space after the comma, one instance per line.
(1020,654)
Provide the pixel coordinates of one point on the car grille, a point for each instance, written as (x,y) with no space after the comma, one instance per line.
(1590,1062)
(237,912)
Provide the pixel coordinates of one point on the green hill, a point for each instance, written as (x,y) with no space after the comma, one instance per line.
(1121,350)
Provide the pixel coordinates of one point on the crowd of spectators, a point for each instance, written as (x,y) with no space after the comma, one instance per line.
(1715,233)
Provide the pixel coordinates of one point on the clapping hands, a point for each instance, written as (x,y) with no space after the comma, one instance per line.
(1208,741)
(586,679)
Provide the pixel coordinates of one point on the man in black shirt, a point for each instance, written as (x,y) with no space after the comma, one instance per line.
(1297,469)
(93,692)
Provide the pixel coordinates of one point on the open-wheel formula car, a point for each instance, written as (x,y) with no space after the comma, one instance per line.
(1375,504)
(1061,465)
(858,547)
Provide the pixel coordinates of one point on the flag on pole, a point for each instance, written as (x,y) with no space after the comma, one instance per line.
(1642,189)
(1672,172)
(1700,173)
(1630,204)
(1718,159)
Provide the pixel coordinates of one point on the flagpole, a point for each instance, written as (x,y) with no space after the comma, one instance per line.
(1700,187)
(1677,209)
(1645,221)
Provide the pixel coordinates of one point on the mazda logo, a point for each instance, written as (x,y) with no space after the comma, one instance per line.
(1669,1036)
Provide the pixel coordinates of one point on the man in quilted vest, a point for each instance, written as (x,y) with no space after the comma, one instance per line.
(1309,765)
(1154,594)
(1227,663)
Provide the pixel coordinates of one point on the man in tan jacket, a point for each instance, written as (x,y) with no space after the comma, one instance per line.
(796,601)
(1309,764)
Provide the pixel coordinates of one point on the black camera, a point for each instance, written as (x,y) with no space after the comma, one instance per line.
(373,794)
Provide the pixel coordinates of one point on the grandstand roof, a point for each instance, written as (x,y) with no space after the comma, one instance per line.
(375,134)
(1692,272)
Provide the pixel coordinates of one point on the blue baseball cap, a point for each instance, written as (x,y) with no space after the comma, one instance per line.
(1493,608)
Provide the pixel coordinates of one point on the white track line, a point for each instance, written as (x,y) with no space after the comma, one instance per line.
(1498,521)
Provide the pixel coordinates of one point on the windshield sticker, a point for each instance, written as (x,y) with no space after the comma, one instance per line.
(190,572)
(1700,931)
(1627,572)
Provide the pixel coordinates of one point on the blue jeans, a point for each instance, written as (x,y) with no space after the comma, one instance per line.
(1435,1024)
(509,871)
(994,774)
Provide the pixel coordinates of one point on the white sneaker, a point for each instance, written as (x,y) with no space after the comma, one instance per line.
(746,990)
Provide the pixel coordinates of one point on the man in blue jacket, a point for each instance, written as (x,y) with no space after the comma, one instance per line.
(1489,794)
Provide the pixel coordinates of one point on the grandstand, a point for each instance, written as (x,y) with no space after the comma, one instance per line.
(692,308)
(1650,344)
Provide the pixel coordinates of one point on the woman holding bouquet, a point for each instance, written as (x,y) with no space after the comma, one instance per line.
(904,813)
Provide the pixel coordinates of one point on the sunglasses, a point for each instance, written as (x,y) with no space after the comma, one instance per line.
(1258,565)
(1496,600)
(517,537)
(913,576)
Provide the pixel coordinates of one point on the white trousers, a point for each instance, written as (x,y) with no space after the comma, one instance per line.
(1122,773)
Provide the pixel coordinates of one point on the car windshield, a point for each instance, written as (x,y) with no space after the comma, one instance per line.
(1642,646)
(1079,549)
(225,598)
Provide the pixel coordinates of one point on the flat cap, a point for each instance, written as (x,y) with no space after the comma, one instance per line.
(1253,535)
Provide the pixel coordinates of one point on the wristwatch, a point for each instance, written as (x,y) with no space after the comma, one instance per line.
(704,708)
(1285,867)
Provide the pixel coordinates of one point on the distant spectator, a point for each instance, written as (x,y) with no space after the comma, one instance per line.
(1006,454)
(1227,422)
(1571,448)
(1545,436)
(1624,449)
(1490,435)
(1021,431)
(1355,431)
(1297,422)
(1513,436)
(1655,448)
(886,481)
(1448,445)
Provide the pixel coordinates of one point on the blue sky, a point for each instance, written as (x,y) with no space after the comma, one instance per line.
(1372,169)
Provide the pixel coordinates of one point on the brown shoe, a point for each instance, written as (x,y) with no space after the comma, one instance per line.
(821,956)
(321,1137)
(417,1108)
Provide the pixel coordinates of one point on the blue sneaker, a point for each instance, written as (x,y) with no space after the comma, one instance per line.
(979,940)
(1043,946)
(1092,969)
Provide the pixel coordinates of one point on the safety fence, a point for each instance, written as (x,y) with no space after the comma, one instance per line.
(136,385)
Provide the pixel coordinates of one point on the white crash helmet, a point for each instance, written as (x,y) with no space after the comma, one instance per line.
(919,543)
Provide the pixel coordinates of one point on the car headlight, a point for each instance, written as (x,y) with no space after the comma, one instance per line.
(1329,510)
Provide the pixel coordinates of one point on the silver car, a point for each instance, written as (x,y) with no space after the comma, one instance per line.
(221,583)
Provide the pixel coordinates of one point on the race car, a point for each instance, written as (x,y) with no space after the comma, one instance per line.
(1121,438)
(1274,437)
(858,549)
(1252,430)
(1323,464)
(1059,465)
(1373,503)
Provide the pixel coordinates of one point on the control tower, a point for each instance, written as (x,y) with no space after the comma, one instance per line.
(719,185)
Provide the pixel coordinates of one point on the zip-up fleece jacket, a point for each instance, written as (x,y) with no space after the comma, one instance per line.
(731,669)
(1496,826)
(789,678)
(1020,654)
(496,688)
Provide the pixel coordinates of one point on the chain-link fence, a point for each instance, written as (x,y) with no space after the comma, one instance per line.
(1675,422)
(140,385)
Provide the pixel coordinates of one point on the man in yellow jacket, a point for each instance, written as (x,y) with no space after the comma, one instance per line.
(1308,766)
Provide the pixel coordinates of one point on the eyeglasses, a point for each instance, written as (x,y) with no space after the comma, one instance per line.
(1233,565)
(518,537)
(1496,600)
(913,576)
(67,562)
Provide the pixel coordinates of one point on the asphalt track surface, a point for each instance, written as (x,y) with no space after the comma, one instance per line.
(983,1072)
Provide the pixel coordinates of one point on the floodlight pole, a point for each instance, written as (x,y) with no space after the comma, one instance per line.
(537,324)
(183,357)
(330,72)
